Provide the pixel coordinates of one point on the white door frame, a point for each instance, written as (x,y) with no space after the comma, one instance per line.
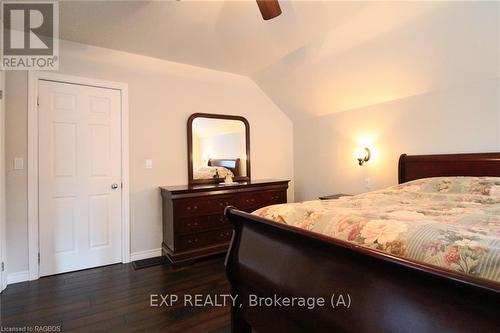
(3,239)
(33,231)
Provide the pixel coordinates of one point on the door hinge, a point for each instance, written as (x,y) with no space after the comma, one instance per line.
(3,266)
(39,258)
(37,101)
(1,94)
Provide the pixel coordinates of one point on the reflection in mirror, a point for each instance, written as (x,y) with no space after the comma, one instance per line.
(218,148)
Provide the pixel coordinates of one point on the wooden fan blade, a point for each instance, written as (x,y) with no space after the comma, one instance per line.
(269,8)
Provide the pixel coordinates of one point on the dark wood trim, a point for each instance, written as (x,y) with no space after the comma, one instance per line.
(236,170)
(388,293)
(190,255)
(186,191)
(447,165)
(192,181)
(269,8)
(401,168)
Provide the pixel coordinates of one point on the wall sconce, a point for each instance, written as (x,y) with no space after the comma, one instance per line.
(363,155)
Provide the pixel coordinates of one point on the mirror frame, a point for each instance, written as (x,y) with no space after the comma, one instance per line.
(192,181)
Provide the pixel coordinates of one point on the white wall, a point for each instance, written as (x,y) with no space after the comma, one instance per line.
(162,95)
(461,119)
(16,104)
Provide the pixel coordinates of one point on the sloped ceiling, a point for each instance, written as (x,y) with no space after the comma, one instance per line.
(318,57)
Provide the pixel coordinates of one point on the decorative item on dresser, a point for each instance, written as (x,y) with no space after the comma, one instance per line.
(194,224)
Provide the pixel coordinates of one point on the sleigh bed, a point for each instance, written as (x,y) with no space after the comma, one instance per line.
(370,289)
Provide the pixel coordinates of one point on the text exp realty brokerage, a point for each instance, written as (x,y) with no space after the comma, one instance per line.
(199,300)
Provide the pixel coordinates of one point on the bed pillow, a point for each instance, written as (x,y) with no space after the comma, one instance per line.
(489,186)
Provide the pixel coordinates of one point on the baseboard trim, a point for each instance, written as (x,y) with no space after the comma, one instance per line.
(18,277)
(25,275)
(145,254)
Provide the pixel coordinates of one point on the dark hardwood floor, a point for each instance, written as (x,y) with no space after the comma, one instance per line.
(116,298)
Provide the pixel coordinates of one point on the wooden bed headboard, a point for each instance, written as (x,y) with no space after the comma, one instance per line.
(413,167)
(233,164)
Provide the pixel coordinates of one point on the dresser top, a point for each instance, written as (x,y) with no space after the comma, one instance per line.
(217,187)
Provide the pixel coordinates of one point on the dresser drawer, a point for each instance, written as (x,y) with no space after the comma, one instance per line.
(202,206)
(201,223)
(273,197)
(255,200)
(201,239)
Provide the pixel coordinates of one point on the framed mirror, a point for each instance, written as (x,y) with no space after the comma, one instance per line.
(218,145)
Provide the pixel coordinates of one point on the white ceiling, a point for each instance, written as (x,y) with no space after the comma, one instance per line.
(229,36)
(318,57)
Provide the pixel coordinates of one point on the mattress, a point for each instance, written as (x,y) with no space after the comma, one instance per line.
(448,222)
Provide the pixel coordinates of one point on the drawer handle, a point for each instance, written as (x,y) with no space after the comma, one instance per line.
(224,234)
(194,224)
(250,200)
(224,204)
(191,241)
(193,208)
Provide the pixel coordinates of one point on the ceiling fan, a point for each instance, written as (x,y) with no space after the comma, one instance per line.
(269,8)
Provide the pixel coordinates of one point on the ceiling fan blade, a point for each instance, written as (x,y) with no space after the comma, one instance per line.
(269,8)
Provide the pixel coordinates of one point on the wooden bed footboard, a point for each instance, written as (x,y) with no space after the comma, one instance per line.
(270,263)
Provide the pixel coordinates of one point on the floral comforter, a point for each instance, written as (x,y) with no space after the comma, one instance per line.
(450,222)
(210,172)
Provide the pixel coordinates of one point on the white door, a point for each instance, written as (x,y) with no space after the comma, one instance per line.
(79,167)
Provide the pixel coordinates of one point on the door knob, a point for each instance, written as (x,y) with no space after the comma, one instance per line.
(114,186)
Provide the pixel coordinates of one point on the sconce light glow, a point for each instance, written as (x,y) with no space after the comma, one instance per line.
(363,155)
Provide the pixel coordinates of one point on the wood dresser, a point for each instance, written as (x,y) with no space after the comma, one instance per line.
(194,224)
